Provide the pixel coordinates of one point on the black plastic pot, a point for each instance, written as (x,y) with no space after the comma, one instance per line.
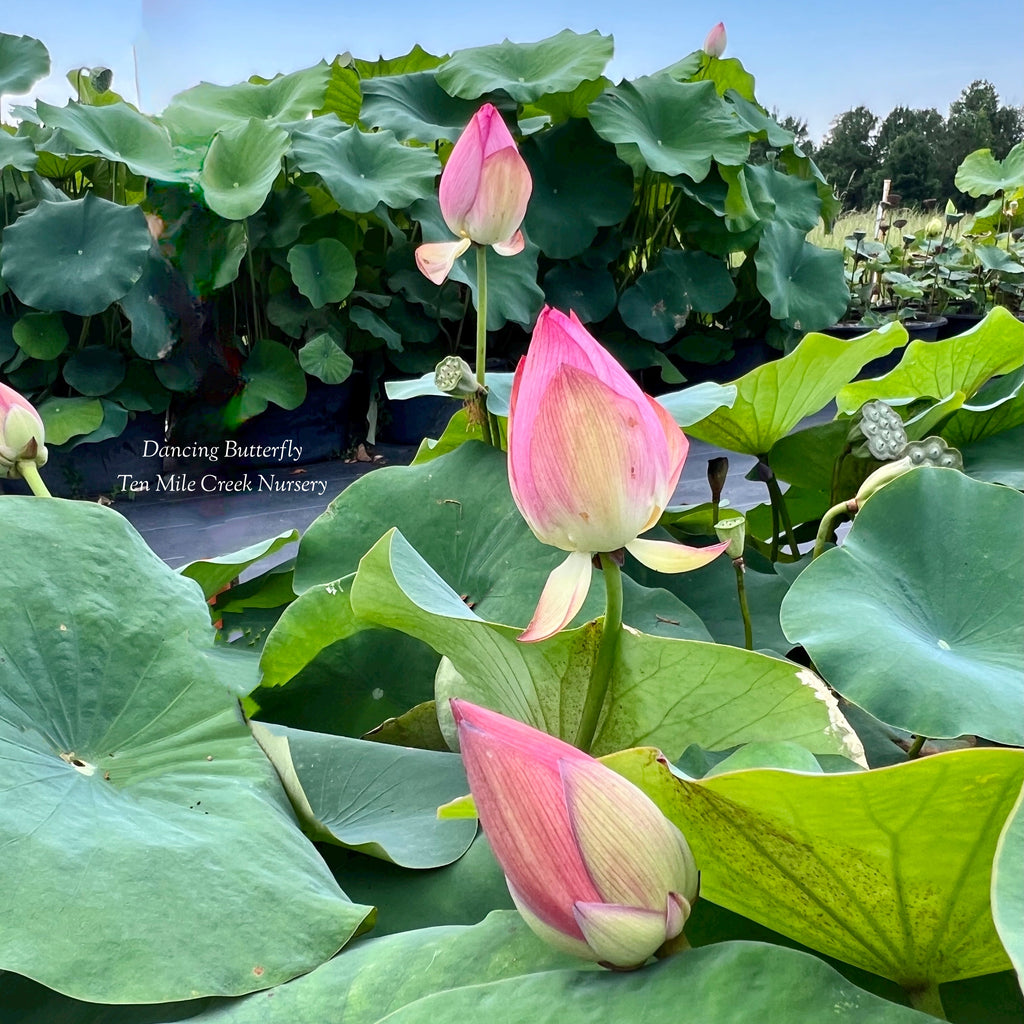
(925,328)
(412,419)
(957,323)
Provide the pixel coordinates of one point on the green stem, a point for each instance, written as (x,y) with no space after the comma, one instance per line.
(928,1000)
(778,501)
(481,314)
(914,750)
(30,474)
(601,673)
(741,592)
(825,527)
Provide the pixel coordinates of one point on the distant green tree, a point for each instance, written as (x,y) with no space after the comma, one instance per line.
(907,149)
(847,156)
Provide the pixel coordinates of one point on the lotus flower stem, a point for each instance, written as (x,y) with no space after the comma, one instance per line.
(825,528)
(928,1000)
(778,501)
(29,472)
(914,750)
(601,673)
(741,592)
(481,315)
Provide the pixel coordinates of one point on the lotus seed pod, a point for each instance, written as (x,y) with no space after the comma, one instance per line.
(933,451)
(882,432)
(734,532)
(454,376)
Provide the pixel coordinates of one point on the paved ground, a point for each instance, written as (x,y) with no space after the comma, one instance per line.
(183,527)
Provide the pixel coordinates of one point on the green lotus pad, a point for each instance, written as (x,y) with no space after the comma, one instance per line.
(147,848)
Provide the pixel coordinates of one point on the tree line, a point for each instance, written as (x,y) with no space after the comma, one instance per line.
(919,150)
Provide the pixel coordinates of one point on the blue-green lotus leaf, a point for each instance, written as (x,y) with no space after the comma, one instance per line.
(590,294)
(671,127)
(579,185)
(240,167)
(271,374)
(118,132)
(41,335)
(324,358)
(23,61)
(804,284)
(685,281)
(916,617)
(526,71)
(17,152)
(78,256)
(323,271)
(148,308)
(414,106)
(95,370)
(193,117)
(65,418)
(137,807)
(364,169)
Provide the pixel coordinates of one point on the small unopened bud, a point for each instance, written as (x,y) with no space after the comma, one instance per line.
(21,433)
(933,228)
(718,470)
(714,44)
(733,532)
(454,376)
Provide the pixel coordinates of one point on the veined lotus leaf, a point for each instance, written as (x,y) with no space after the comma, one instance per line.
(673,127)
(23,61)
(658,306)
(803,283)
(512,289)
(118,132)
(41,335)
(664,691)
(149,308)
(526,71)
(65,418)
(773,398)
(194,116)
(981,174)
(847,863)
(79,256)
(579,185)
(137,807)
(17,152)
(323,271)
(364,169)
(1008,887)
(378,799)
(240,167)
(271,374)
(324,358)
(928,634)
(414,106)
(937,369)
(214,574)
(590,294)
(95,370)
(998,459)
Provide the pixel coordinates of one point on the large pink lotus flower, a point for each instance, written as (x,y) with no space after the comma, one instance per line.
(21,433)
(592,864)
(593,462)
(485,187)
(714,44)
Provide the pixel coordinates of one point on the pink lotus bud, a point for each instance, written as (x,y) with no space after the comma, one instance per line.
(485,187)
(592,864)
(714,44)
(593,462)
(21,433)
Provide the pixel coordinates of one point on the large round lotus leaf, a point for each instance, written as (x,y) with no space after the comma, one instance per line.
(937,369)
(998,459)
(240,167)
(17,152)
(579,185)
(322,357)
(119,133)
(512,289)
(773,398)
(23,61)
(147,848)
(673,127)
(665,691)
(149,311)
(783,197)
(323,271)
(363,169)
(1008,888)
(376,798)
(271,374)
(526,71)
(805,285)
(658,306)
(414,106)
(65,418)
(78,256)
(590,294)
(916,618)
(193,117)
(825,859)
(41,335)
(981,174)
(95,370)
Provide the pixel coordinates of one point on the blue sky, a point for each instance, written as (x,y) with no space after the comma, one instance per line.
(814,60)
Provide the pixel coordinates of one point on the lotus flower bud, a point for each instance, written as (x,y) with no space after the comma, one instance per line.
(591,863)
(734,532)
(933,228)
(714,44)
(21,433)
(454,376)
(718,470)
